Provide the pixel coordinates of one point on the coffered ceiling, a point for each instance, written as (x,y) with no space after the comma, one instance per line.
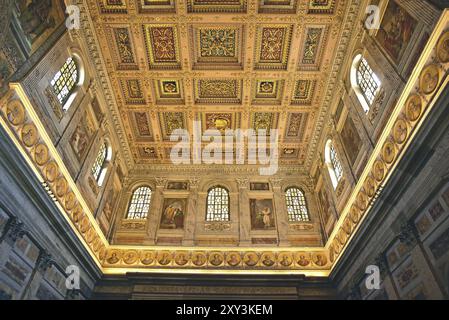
(231,64)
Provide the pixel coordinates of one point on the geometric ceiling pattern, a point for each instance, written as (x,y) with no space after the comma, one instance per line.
(229,64)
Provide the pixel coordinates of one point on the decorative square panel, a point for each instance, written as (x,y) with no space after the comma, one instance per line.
(177,185)
(289,153)
(170,121)
(125,58)
(221,91)
(321,6)
(211,6)
(140,122)
(169,91)
(277,6)
(147,152)
(313,46)
(273,46)
(296,126)
(259,186)
(156,6)
(303,92)
(268,91)
(217,47)
(132,91)
(112,6)
(220,121)
(264,121)
(162,45)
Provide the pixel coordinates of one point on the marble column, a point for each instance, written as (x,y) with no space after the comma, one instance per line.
(192,207)
(155,211)
(244,214)
(280,211)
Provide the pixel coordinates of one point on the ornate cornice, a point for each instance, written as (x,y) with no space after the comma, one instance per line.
(333,82)
(89,35)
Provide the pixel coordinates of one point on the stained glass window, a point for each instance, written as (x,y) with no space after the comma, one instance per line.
(217,204)
(368,81)
(99,161)
(296,205)
(140,203)
(64,80)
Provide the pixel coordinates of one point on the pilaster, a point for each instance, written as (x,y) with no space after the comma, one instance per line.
(244,215)
(281,216)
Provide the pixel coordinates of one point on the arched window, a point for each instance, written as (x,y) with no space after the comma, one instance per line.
(296,205)
(217,204)
(333,163)
(364,81)
(99,167)
(140,203)
(64,81)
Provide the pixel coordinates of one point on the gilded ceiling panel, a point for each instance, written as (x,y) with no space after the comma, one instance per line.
(273,45)
(220,121)
(289,153)
(141,124)
(162,45)
(217,47)
(156,6)
(112,6)
(146,152)
(321,6)
(303,92)
(230,64)
(218,91)
(296,126)
(277,6)
(124,53)
(268,91)
(211,6)
(314,41)
(264,121)
(132,91)
(169,91)
(170,121)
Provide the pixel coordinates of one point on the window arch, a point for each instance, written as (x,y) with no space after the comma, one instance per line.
(217,204)
(333,163)
(99,167)
(140,203)
(65,80)
(365,82)
(296,205)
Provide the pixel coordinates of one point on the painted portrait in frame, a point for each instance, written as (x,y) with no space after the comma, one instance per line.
(82,136)
(173,213)
(351,139)
(38,19)
(262,214)
(395,31)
